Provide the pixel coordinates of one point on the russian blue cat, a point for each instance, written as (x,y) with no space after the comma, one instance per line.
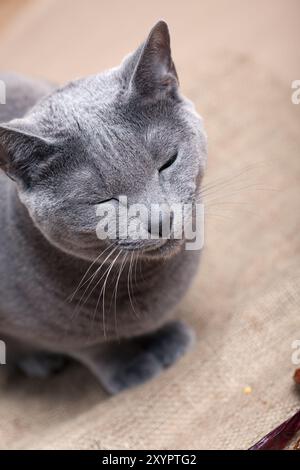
(64,152)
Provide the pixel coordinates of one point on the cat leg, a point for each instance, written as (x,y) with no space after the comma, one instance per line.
(123,365)
(32,361)
(41,364)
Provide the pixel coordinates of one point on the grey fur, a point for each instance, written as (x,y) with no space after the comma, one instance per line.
(92,140)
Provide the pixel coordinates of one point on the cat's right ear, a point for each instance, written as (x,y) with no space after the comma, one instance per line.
(21,150)
(154,75)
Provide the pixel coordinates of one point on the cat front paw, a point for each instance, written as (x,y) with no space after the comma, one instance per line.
(155,353)
(41,364)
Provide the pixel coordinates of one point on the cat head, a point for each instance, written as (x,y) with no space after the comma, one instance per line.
(125,132)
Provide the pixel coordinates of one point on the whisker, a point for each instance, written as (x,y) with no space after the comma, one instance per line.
(128,286)
(140,265)
(86,273)
(83,301)
(115,292)
(238,191)
(232,207)
(221,181)
(135,268)
(103,294)
(223,216)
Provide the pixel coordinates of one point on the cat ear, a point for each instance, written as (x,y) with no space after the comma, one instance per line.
(155,74)
(21,149)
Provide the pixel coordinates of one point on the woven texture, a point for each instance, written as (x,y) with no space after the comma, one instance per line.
(244,303)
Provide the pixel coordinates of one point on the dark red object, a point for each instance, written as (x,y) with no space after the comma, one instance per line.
(279,437)
(297,377)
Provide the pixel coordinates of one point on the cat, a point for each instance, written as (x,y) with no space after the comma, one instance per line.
(63,152)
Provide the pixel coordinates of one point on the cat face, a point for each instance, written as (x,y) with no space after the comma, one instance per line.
(126,133)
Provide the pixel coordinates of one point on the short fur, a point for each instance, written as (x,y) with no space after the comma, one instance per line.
(63,151)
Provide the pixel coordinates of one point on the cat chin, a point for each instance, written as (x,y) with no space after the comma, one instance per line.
(165,250)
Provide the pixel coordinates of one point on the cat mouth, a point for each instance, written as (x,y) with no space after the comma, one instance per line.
(153,248)
(168,248)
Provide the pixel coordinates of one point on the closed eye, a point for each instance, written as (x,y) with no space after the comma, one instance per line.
(168,163)
(107,200)
(97,201)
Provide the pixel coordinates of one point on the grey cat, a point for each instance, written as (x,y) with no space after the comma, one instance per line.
(63,152)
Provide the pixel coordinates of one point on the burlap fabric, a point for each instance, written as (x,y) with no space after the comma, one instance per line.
(244,303)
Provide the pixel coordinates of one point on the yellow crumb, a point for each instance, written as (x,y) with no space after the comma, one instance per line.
(247,390)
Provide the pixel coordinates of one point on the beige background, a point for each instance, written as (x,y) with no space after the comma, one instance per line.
(236,60)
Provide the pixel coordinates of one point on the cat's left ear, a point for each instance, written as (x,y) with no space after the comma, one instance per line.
(22,150)
(155,74)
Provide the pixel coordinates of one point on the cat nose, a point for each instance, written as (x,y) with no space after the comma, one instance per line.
(157,227)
